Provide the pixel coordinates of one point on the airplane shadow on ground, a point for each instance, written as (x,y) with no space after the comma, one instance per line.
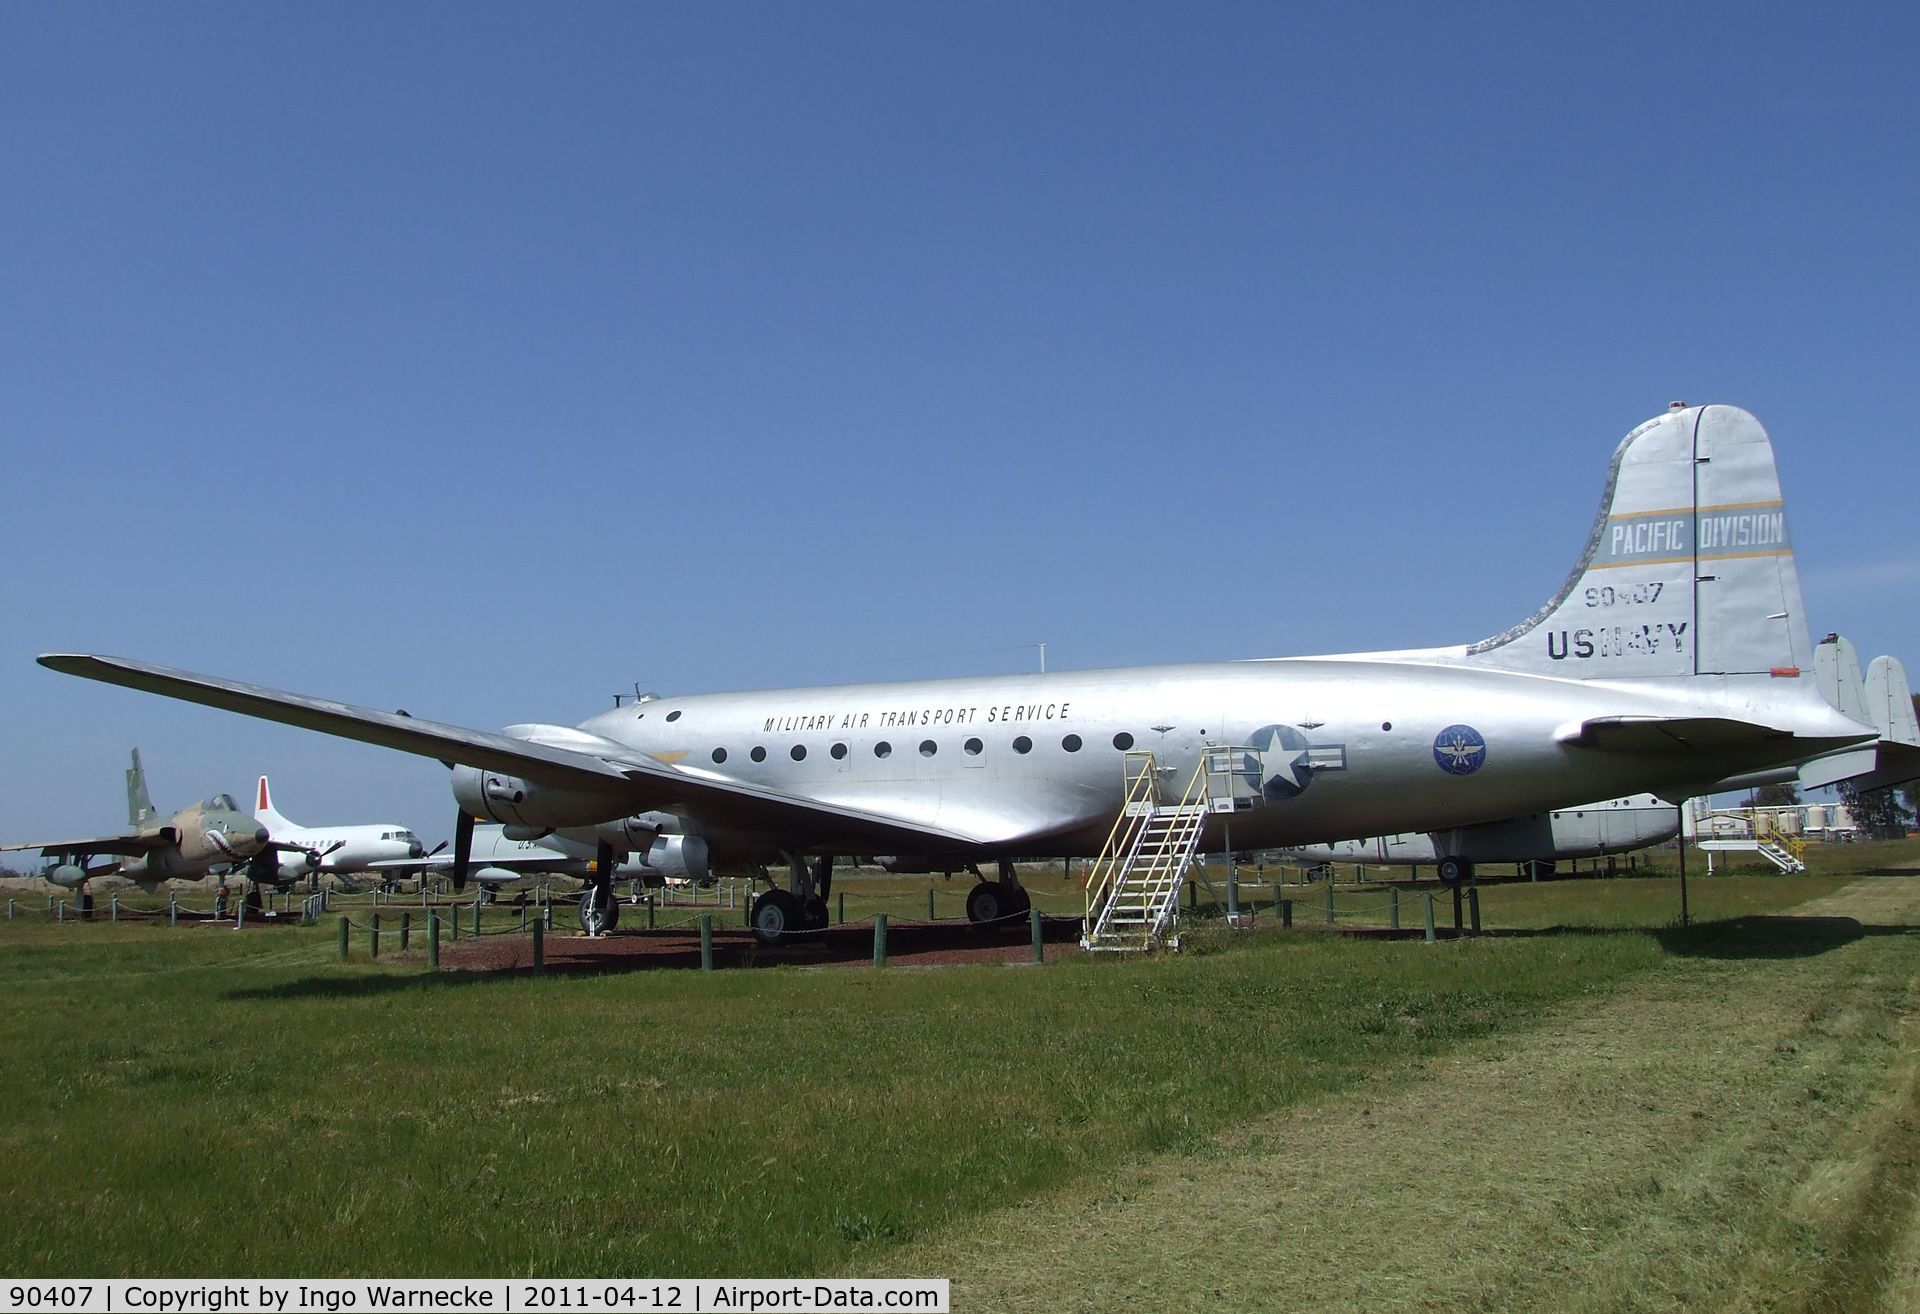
(507,957)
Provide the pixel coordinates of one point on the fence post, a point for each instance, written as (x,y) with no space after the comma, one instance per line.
(9,909)
(173,909)
(880,939)
(930,916)
(1459,920)
(1286,913)
(406,930)
(523,916)
(454,909)
(433,940)
(1329,898)
(842,918)
(651,901)
(1393,907)
(240,912)
(373,932)
(1039,938)
(1473,906)
(539,947)
(1233,892)
(476,914)
(706,942)
(344,932)
(113,906)
(60,911)
(1428,896)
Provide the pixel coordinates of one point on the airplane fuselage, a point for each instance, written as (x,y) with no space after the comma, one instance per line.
(1345,743)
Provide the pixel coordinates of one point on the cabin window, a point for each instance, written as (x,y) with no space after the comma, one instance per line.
(798,752)
(883,749)
(1123,741)
(719,755)
(673,715)
(1022,744)
(758,754)
(839,752)
(973,747)
(928,748)
(1071,743)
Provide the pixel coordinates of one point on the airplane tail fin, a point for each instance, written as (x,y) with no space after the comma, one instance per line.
(1836,667)
(1688,569)
(139,807)
(264,812)
(1890,703)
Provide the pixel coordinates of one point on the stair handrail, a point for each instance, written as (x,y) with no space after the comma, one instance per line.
(1142,795)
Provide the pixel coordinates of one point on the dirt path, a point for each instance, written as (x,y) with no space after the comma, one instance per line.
(1737,1130)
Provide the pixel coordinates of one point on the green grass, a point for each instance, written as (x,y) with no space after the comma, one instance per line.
(200,1101)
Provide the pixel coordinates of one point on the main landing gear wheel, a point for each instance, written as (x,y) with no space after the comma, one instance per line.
(599,910)
(777,915)
(992,902)
(1454,871)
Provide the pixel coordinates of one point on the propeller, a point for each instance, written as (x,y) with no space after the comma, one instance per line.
(435,849)
(462,849)
(317,856)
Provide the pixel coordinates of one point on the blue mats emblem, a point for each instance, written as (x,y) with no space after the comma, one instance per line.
(1459,750)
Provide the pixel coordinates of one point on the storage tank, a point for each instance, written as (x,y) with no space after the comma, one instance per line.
(1817,816)
(1762,825)
(1788,821)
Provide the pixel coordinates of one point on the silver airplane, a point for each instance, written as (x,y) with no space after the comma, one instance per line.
(1537,841)
(1675,655)
(496,859)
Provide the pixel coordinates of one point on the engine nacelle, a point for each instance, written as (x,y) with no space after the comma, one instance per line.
(494,875)
(67,876)
(680,857)
(635,834)
(513,801)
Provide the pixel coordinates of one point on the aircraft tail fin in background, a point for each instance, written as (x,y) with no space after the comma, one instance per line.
(1836,667)
(1890,702)
(264,813)
(1688,569)
(139,807)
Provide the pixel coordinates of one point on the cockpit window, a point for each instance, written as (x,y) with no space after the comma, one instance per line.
(220,803)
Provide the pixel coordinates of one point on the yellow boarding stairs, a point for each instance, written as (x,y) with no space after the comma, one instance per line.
(1133,887)
(1787,852)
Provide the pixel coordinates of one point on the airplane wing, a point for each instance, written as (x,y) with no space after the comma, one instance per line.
(654,784)
(130,845)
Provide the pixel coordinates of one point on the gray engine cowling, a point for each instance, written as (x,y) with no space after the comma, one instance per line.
(513,801)
(680,857)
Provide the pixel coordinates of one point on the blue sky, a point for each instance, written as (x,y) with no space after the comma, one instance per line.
(486,360)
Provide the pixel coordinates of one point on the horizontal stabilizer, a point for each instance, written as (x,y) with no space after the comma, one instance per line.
(1663,734)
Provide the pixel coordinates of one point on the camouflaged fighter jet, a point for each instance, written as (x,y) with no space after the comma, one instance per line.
(208,836)
(1676,654)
